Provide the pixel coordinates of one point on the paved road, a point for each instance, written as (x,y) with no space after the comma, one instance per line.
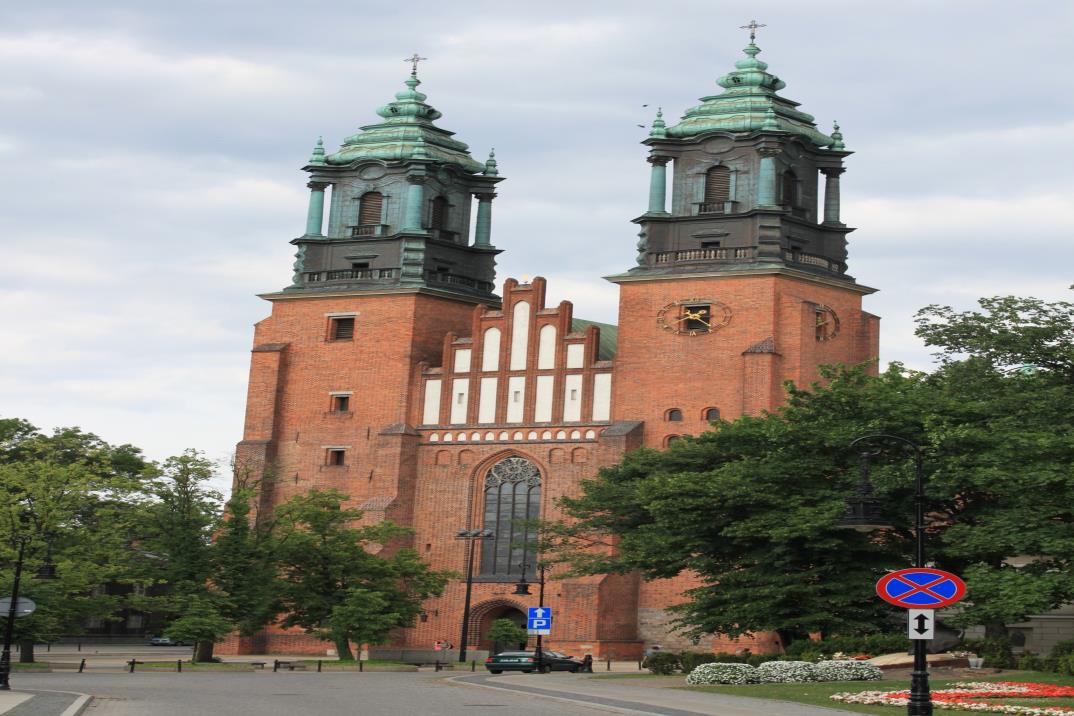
(388,694)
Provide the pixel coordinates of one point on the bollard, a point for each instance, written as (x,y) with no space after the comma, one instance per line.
(639,664)
(131,663)
(438,665)
(473,665)
(82,666)
(275,665)
(318,666)
(48,647)
(80,646)
(360,662)
(179,665)
(609,663)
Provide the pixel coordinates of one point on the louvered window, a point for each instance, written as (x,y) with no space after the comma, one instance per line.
(717,185)
(342,329)
(439,213)
(790,188)
(370,207)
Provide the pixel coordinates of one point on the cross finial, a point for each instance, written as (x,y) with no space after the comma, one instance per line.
(414,60)
(752,27)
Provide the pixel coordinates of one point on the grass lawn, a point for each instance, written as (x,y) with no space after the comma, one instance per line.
(200,666)
(352,665)
(817,694)
(32,666)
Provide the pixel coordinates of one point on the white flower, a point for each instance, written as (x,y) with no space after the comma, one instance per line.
(722,674)
(786,672)
(847,671)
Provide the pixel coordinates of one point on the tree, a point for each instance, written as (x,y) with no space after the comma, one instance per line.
(75,498)
(505,631)
(176,543)
(201,622)
(336,580)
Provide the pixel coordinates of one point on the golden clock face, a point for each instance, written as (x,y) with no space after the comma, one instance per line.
(827,324)
(693,316)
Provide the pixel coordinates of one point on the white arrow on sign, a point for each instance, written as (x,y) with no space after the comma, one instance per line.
(539,612)
(921,623)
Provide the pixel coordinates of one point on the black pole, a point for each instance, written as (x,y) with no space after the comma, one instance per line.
(466,605)
(540,605)
(9,627)
(920,703)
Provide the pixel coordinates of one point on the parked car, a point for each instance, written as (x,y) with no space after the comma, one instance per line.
(165,641)
(526,662)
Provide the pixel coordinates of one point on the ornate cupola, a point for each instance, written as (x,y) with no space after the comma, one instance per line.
(399,215)
(745,185)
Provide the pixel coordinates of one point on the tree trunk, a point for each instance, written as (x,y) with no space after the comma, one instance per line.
(203,652)
(26,652)
(343,649)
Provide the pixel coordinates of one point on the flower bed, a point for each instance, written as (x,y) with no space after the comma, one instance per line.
(846,670)
(786,672)
(722,674)
(967,695)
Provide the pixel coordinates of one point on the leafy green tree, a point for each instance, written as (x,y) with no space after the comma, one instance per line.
(75,498)
(505,631)
(337,581)
(201,622)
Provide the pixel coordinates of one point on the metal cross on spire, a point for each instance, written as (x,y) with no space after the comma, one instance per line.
(415,59)
(752,27)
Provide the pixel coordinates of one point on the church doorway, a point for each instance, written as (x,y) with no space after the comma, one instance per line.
(504,612)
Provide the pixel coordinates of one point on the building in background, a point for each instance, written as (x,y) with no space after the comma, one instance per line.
(390,370)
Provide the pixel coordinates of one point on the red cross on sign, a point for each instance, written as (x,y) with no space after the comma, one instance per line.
(921,588)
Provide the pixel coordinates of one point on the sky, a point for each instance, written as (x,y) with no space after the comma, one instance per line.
(151,158)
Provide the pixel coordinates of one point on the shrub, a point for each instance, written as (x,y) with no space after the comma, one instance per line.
(716,673)
(1028,662)
(996,651)
(1063,648)
(872,644)
(662,662)
(690,660)
(847,671)
(758,659)
(786,672)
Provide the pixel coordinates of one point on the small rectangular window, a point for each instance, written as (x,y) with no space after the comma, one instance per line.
(341,403)
(460,398)
(517,395)
(337,457)
(574,394)
(341,329)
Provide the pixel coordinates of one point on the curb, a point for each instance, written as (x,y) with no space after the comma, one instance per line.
(590,704)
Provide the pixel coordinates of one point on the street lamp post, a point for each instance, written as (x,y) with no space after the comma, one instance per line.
(9,627)
(920,703)
(523,587)
(470,536)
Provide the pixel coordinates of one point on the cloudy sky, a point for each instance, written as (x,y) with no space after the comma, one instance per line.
(151,157)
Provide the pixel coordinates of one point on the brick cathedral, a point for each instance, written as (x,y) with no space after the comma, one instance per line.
(390,370)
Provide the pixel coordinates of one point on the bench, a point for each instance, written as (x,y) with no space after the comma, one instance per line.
(289,665)
(257,664)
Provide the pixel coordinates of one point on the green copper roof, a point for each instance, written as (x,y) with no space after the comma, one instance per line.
(407,132)
(609,336)
(749,102)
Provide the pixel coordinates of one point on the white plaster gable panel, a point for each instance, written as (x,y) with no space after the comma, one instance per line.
(520,334)
(602,396)
(516,398)
(431,416)
(462,360)
(572,399)
(546,347)
(490,356)
(575,355)
(486,412)
(542,409)
(460,398)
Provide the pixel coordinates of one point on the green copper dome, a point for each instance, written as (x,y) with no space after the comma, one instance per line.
(407,132)
(749,102)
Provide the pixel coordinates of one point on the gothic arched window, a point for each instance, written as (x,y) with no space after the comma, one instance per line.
(717,188)
(512,505)
(438,218)
(369,208)
(789,188)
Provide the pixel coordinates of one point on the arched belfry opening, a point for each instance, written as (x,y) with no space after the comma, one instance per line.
(512,504)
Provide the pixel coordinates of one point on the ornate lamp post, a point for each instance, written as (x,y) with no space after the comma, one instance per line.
(470,536)
(523,587)
(863,514)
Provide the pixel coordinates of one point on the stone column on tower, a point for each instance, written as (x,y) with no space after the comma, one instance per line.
(766,177)
(831,195)
(483,226)
(315,215)
(658,182)
(415,198)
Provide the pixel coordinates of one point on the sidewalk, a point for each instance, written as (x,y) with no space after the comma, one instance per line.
(11,699)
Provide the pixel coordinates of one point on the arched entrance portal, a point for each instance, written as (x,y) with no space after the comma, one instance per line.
(482,616)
